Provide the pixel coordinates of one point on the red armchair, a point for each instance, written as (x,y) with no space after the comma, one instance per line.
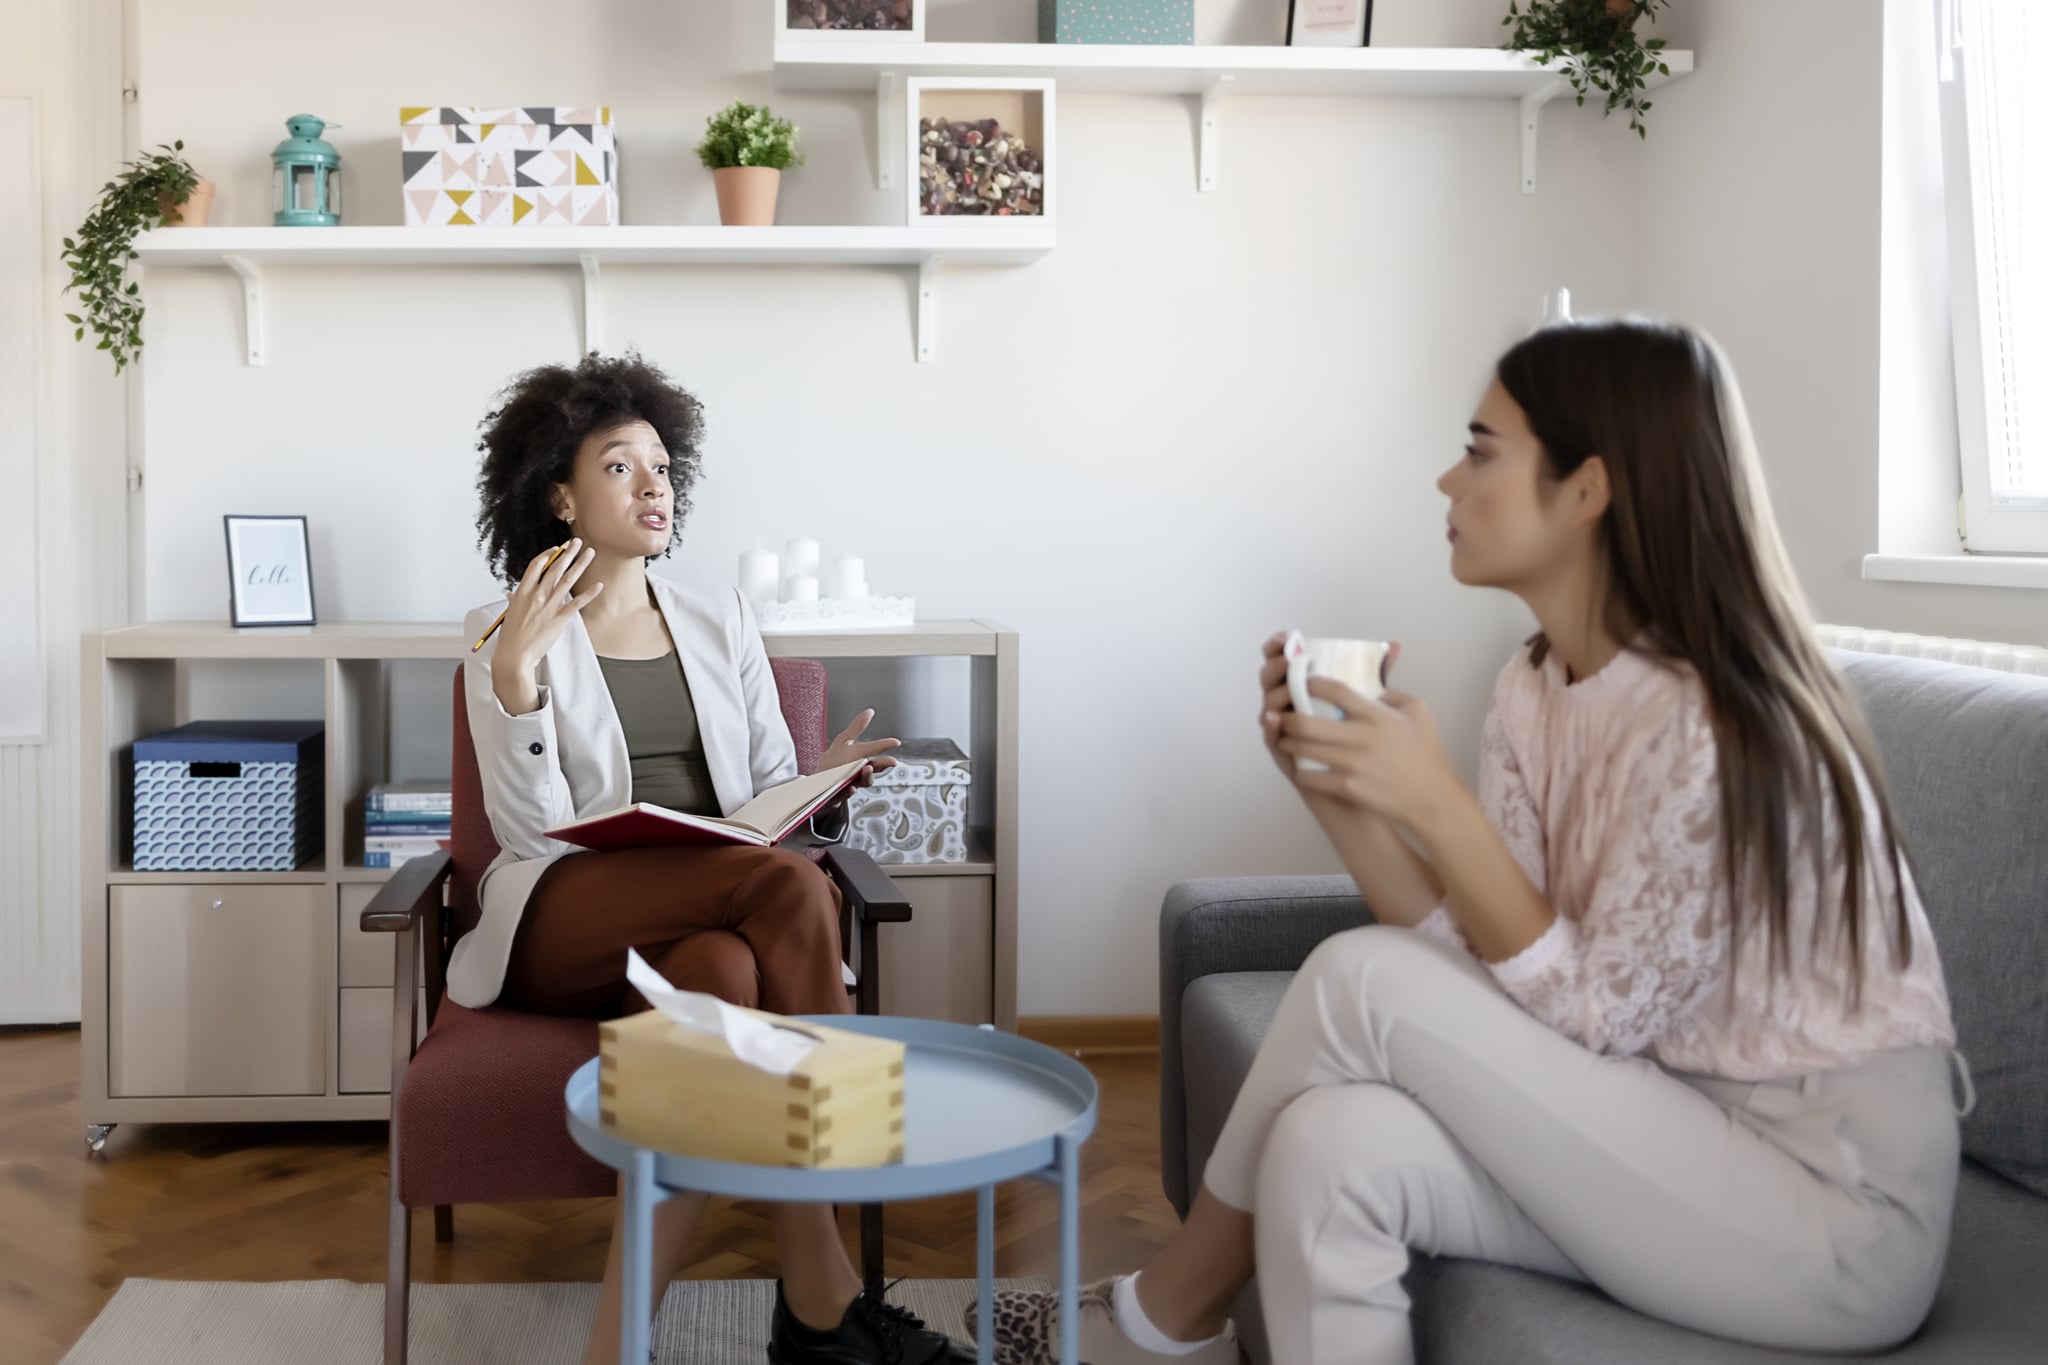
(476,1111)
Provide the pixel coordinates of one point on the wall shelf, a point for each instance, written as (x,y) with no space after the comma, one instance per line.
(1213,74)
(250,252)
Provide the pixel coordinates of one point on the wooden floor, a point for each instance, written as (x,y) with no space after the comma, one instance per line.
(306,1201)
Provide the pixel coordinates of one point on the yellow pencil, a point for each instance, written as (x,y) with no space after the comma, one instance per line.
(501,615)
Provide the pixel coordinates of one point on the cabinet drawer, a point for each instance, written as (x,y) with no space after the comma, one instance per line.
(941,965)
(366,1039)
(366,959)
(217,990)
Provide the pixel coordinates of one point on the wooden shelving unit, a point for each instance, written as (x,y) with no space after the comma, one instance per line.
(233,996)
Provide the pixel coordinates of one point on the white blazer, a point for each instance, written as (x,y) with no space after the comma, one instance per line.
(568,758)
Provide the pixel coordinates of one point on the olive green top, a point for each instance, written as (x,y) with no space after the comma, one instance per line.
(653,700)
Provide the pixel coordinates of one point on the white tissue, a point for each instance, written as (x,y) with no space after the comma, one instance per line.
(754,1041)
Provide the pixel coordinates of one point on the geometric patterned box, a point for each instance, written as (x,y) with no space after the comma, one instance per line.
(916,812)
(230,796)
(509,167)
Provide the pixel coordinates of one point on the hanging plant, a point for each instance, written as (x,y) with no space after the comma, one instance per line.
(1596,45)
(146,192)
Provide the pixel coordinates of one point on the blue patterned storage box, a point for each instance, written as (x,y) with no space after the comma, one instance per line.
(229,796)
(1116,21)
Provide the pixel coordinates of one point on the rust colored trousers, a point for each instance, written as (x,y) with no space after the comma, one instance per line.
(753,926)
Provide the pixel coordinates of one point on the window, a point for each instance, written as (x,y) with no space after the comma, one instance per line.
(1994,115)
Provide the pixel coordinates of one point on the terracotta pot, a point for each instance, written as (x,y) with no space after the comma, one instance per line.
(191,213)
(746,195)
(1619,8)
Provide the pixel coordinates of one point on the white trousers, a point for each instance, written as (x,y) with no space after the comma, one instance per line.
(1403,1099)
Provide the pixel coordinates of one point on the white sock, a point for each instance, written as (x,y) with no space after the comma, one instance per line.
(1132,1322)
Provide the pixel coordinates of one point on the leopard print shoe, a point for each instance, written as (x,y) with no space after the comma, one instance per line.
(1027,1331)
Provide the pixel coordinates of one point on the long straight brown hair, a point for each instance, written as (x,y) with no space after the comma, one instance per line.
(1694,561)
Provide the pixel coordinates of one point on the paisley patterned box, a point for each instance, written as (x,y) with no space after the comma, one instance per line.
(230,796)
(917,811)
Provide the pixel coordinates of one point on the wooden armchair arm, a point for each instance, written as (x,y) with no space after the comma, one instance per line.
(406,906)
(872,893)
(872,899)
(404,902)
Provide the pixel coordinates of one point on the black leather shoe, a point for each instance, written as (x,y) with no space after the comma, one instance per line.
(873,1332)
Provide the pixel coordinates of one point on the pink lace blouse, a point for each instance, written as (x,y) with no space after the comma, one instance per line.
(1606,792)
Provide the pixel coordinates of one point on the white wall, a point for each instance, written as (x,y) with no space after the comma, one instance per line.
(1761,222)
(67,58)
(1202,418)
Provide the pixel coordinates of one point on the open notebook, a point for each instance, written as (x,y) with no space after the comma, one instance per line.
(765,821)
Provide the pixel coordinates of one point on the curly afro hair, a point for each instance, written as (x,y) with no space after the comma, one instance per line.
(530,439)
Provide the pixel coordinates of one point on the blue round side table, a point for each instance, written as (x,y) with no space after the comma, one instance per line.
(979,1107)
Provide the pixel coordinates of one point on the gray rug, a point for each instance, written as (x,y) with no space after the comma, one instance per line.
(338,1322)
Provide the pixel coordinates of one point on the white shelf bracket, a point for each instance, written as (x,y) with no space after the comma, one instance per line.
(889,129)
(252,303)
(593,309)
(1207,149)
(1532,108)
(928,310)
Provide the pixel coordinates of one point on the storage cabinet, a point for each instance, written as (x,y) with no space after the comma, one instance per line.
(217,990)
(936,966)
(366,1038)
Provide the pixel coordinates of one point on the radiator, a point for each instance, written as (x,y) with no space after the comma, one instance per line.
(2011,658)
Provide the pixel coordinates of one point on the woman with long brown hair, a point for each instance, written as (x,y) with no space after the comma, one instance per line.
(1656,1008)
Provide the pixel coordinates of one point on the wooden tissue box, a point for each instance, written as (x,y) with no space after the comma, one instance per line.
(677,1090)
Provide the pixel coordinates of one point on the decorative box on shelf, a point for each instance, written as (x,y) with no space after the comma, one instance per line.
(1116,21)
(916,812)
(536,166)
(230,796)
(680,1090)
(981,151)
(850,20)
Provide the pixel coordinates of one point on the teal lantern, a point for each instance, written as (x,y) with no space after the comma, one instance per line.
(305,176)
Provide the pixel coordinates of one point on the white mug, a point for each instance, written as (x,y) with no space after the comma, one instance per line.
(1360,665)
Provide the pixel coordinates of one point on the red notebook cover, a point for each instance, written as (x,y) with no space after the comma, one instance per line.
(646,826)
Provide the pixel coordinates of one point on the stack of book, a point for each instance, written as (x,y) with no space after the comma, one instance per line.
(403,820)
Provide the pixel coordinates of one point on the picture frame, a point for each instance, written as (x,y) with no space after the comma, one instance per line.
(785,29)
(1329,23)
(270,571)
(1025,106)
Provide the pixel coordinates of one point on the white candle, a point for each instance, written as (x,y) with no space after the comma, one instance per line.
(800,587)
(800,556)
(846,578)
(760,572)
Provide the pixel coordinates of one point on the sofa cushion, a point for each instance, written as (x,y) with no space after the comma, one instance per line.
(1966,752)
(1472,1313)
(1223,1018)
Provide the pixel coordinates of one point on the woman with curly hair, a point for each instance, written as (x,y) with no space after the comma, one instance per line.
(605,686)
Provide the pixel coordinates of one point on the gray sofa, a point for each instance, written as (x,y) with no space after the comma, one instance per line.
(1967,753)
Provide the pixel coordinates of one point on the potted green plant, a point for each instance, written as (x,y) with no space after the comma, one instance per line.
(157,189)
(1596,42)
(746,148)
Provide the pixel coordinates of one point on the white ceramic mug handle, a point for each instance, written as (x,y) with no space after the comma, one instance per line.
(1299,670)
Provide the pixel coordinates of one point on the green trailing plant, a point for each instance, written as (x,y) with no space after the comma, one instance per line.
(139,197)
(1596,44)
(743,134)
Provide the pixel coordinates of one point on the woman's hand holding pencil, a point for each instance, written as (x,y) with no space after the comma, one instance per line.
(540,607)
